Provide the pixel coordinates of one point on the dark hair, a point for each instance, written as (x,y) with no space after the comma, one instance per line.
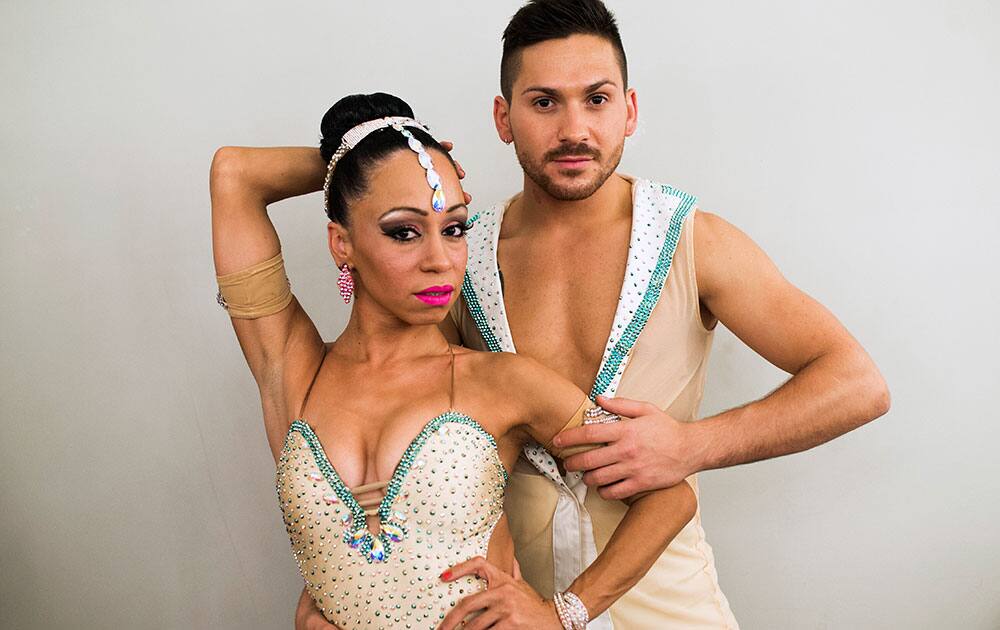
(542,20)
(350,177)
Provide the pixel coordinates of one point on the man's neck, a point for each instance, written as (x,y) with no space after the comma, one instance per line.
(536,209)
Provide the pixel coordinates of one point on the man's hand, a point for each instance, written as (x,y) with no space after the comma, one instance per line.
(508,603)
(308,617)
(647,451)
(448,146)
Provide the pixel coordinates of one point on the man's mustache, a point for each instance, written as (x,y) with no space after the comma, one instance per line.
(575,150)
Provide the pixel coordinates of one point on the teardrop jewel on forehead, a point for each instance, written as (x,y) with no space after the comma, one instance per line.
(438,200)
(356,134)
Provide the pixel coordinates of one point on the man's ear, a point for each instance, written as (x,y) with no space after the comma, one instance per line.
(501,118)
(340,244)
(632,105)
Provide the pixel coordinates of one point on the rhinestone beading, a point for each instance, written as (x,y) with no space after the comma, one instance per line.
(432,517)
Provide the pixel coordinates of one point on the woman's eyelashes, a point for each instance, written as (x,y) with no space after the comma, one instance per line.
(401,232)
(458,230)
(407,232)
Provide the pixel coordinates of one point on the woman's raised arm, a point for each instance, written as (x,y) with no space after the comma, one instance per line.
(280,343)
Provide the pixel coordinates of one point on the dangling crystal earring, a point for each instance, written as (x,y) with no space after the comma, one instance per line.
(346,283)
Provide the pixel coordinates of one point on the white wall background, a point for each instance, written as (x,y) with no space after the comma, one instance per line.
(855,141)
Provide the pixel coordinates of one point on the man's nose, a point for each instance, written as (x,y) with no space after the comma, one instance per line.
(573,126)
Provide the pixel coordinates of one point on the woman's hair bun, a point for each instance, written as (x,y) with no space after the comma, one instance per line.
(350,176)
(353,110)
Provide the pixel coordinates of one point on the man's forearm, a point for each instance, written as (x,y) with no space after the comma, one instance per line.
(834,394)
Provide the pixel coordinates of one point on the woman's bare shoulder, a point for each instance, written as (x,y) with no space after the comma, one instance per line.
(536,387)
(506,366)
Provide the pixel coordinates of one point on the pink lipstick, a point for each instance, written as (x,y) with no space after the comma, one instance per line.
(436,296)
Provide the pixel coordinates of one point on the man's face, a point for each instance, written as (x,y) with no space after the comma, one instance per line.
(569,115)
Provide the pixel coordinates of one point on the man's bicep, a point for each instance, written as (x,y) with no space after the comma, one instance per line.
(744,289)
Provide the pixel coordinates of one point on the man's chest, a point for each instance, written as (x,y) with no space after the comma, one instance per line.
(561,300)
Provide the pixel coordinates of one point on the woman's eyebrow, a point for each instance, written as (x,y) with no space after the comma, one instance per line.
(423,213)
(403,209)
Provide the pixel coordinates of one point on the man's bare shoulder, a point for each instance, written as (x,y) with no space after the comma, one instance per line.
(725,256)
(711,231)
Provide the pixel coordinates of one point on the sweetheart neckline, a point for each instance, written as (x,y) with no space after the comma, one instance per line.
(403,464)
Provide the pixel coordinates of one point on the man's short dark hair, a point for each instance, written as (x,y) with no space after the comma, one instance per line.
(542,20)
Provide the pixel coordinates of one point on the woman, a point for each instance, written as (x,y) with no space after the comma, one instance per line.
(392,446)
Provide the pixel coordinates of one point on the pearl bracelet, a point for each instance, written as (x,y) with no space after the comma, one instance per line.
(572,612)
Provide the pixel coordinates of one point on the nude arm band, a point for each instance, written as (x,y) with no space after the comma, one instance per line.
(575,421)
(256,291)
(563,453)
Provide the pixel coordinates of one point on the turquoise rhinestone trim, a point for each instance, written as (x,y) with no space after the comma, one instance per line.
(649,299)
(357,536)
(478,316)
(410,456)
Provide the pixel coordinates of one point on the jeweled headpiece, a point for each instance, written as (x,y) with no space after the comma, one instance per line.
(356,134)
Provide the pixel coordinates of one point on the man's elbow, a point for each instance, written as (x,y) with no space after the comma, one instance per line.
(874,391)
(880,397)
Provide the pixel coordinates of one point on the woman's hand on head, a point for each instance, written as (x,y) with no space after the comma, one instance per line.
(448,145)
(508,602)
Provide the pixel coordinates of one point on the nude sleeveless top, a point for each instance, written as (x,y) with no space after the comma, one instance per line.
(666,365)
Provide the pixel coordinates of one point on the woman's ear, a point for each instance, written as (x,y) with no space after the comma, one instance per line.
(340,244)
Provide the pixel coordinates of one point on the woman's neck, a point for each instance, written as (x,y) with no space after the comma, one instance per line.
(376,337)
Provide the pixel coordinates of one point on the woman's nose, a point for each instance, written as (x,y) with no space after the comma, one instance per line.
(435,255)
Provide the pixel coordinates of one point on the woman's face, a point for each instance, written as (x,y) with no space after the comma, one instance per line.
(405,257)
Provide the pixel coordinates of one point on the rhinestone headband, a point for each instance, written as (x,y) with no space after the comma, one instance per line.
(356,134)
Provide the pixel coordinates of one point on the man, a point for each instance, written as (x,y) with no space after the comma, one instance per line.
(617,283)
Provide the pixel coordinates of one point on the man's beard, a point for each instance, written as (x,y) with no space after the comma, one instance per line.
(583,185)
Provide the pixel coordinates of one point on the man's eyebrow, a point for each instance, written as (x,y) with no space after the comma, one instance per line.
(422,213)
(543,90)
(554,92)
(600,84)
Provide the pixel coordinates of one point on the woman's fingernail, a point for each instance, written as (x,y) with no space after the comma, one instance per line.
(557,441)
(446,576)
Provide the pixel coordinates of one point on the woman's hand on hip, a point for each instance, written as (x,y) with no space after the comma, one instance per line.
(508,603)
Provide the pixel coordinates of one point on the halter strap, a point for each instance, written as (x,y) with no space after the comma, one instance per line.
(370,506)
(451,392)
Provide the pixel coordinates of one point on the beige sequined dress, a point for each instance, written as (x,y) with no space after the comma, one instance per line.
(439,508)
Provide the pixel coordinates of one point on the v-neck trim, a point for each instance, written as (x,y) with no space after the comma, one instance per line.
(499,281)
(391,528)
(652,241)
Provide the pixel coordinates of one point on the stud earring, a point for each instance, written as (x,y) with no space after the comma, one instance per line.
(346,283)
